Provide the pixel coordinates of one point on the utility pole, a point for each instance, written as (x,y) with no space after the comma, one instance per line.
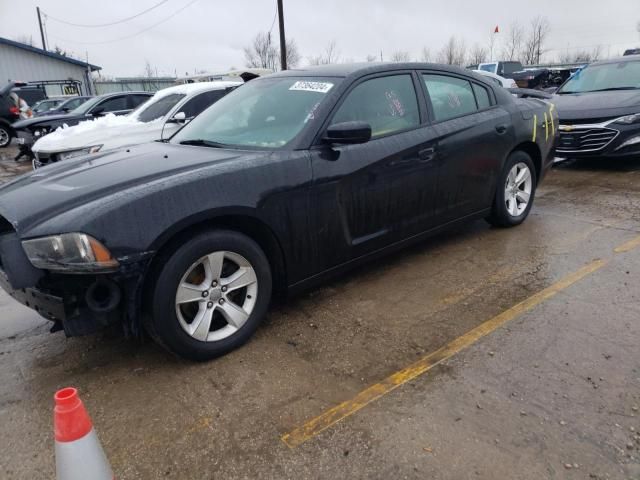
(283,43)
(44,45)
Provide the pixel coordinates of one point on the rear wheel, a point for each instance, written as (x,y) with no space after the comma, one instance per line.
(515,192)
(5,136)
(210,295)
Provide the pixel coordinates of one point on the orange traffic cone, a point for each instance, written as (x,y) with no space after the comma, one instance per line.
(79,455)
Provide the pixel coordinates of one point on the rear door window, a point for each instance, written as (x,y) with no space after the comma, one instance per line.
(482,96)
(389,104)
(450,96)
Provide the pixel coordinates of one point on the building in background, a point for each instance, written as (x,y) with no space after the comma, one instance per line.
(24,63)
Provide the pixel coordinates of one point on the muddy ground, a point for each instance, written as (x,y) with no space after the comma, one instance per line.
(554,393)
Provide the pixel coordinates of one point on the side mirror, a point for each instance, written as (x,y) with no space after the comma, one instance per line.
(179,117)
(98,112)
(348,133)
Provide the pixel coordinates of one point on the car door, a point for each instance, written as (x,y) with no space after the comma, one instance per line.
(191,108)
(474,135)
(369,195)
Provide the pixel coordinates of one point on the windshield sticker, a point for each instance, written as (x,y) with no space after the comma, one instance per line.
(304,86)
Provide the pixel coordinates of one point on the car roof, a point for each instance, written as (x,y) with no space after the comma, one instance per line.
(365,68)
(112,94)
(627,58)
(197,87)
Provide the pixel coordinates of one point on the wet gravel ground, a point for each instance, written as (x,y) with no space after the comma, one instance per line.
(552,394)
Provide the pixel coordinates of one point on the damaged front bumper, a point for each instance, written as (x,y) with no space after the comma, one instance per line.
(78,303)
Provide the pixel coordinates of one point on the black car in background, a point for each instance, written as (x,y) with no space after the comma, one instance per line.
(599,110)
(121,103)
(287,180)
(9,112)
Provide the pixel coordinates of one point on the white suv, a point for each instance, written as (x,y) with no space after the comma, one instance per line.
(156,119)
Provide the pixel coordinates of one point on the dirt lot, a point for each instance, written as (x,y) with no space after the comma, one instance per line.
(551,391)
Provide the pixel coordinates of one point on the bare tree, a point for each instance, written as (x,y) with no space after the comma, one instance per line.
(582,56)
(330,55)
(265,53)
(513,43)
(26,39)
(262,52)
(371,58)
(400,56)
(478,54)
(454,52)
(293,54)
(534,45)
(425,54)
(60,51)
(148,70)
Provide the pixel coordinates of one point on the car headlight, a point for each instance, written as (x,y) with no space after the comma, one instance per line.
(77,153)
(629,119)
(77,252)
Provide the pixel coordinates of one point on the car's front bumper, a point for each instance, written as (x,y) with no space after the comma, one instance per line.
(606,139)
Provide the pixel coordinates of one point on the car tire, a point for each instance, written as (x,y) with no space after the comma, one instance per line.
(199,283)
(5,136)
(514,193)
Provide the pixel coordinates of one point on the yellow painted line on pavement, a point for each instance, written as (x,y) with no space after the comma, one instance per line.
(329,418)
(628,246)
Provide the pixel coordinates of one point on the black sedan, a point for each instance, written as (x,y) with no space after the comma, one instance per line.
(284,182)
(65,106)
(28,131)
(599,109)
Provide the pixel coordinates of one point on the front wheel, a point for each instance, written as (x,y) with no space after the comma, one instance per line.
(210,295)
(5,136)
(515,191)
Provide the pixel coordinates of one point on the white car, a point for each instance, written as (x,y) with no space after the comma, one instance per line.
(156,119)
(497,79)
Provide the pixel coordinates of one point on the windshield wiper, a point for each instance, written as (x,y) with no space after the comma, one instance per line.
(613,88)
(199,142)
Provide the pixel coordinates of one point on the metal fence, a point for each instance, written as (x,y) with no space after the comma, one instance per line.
(133,84)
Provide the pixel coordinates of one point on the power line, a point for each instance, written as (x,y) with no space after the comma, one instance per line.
(135,34)
(85,25)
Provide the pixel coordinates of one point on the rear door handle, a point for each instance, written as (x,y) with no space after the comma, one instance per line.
(427,154)
(501,129)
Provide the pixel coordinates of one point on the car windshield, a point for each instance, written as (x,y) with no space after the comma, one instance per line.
(607,76)
(86,106)
(156,107)
(45,105)
(264,113)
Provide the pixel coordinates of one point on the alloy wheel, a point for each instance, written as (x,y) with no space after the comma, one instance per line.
(4,138)
(216,296)
(517,189)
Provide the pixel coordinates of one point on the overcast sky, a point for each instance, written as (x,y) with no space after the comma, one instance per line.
(210,34)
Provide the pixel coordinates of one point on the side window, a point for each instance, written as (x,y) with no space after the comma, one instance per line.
(113,104)
(201,102)
(450,96)
(138,100)
(482,96)
(388,104)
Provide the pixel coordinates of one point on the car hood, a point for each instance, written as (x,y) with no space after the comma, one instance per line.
(40,195)
(109,131)
(37,121)
(597,105)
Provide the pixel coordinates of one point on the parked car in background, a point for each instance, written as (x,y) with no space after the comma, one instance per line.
(534,78)
(10,112)
(46,104)
(497,79)
(599,109)
(632,51)
(156,119)
(287,180)
(120,103)
(65,106)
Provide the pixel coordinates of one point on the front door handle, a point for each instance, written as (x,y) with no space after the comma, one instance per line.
(427,154)
(501,129)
